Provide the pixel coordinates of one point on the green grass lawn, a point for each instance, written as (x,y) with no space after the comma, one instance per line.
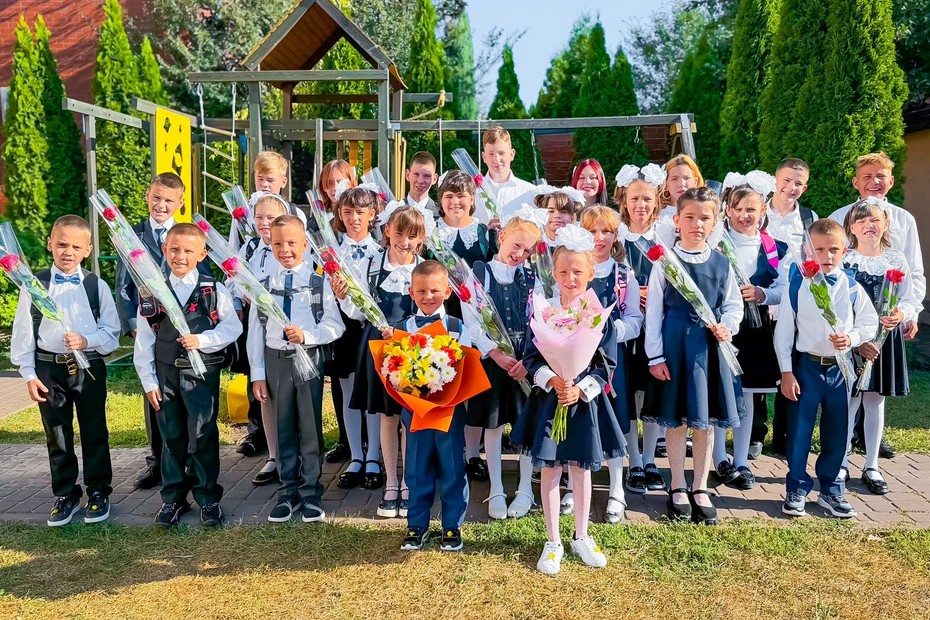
(809,569)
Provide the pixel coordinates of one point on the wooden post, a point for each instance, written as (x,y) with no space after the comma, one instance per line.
(384,114)
(287,98)
(255,122)
(318,156)
(687,138)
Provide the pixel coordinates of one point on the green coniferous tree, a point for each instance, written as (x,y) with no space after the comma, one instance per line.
(25,150)
(508,105)
(740,117)
(426,74)
(64,178)
(150,83)
(563,78)
(460,59)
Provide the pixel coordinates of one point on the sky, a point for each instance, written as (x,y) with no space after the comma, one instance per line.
(548,24)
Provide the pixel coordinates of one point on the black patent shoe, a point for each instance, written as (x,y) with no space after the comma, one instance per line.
(654,479)
(339,453)
(878,486)
(351,479)
(886,450)
(266,477)
(702,515)
(388,507)
(373,479)
(678,512)
(149,479)
(477,470)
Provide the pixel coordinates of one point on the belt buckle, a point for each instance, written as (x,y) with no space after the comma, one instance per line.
(182,363)
(825,361)
(69,361)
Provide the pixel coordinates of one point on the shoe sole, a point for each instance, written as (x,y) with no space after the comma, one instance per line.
(410,547)
(831,510)
(445,547)
(280,519)
(317,519)
(793,513)
(578,555)
(74,511)
(217,523)
(637,490)
(261,483)
(97,519)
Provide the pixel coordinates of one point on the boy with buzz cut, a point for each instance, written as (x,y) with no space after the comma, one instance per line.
(314,320)
(807,347)
(434,458)
(421,176)
(164,197)
(44,355)
(497,153)
(186,405)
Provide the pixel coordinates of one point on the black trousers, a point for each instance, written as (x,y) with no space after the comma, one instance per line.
(298,409)
(187,422)
(153,458)
(88,396)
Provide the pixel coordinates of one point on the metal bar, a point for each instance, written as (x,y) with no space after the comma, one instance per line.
(327,135)
(687,138)
(255,113)
(363,75)
(149,107)
(217,179)
(198,182)
(318,155)
(90,157)
(543,123)
(87,109)
(216,151)
(384,120)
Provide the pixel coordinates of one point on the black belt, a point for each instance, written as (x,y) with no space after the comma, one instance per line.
(822,360)
(183,362)
(65,358)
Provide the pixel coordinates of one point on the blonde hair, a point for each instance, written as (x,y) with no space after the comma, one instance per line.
(621,193)
(271,200)
(403,221)
(562,250)
(860,210)
(269,161)
(186,229)
(680,160)
(494,135)
(517,225)
(326,178)
(879,158)
(599,213)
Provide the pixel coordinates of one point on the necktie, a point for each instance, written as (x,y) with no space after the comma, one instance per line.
(160,235)
(423,321)
(288,283)
(72,279)
(358,251)
(265,252)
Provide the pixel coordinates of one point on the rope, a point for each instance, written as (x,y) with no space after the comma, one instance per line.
(203,158)
(232,138)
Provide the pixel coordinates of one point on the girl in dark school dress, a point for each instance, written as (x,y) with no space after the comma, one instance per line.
(614,282)
(388,273)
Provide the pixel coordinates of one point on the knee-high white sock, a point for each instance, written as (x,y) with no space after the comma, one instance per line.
(720,445)
(352,419)
(494,454)
(373,422)
(853,409)
(472,442)
(615,469)
(741,436)
(873,424)
(632,445)
(526,475)
(651,434)
(389,446)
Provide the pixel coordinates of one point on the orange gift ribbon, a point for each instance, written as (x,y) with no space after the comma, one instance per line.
(434,411)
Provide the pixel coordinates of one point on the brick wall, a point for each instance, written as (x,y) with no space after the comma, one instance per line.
(558,151)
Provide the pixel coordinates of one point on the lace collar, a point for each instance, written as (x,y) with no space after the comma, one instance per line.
(503,272)
(468,234)
(876,265)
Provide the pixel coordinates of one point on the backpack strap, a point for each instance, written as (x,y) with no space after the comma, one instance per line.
(807,216)
(453,326)
(208,298)
(250,247)
(91,289)
(795,279)
(770,248)
(620,283)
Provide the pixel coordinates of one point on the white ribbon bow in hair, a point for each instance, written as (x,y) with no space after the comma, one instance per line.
(341,188)
(528,213)
(575,195)
(650,173)
(761,182)
(574,238)
(881,203)
(428,223)
(256,196)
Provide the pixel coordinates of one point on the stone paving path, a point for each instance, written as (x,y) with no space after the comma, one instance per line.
(25,492)
(13,394)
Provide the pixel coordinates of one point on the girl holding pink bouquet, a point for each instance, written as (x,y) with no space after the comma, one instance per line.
(587,433)
(700,391)
(615,283)
(873,261)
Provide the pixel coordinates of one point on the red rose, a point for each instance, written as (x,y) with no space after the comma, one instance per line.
(240,213)
(203,225)
(894,276)
(464,294)
(810,268)
(230,265)
(382,196)
(478,179)
(110,213)
(655,252)
(328,255)
(9,262)
(331,267)
(193,307)
(541,247)
(136,254)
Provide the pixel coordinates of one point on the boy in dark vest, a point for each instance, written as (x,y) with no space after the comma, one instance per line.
(314,323)
(42,352)
(185,404)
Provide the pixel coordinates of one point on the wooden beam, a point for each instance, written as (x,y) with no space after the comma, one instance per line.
(255,128)
(384,120)
(312,75)
(687,139)
(545,123)
(335,99)
(287,100)
(106,114)
(425,97)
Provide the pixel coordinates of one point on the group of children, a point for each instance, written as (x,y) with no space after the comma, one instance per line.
(658,364)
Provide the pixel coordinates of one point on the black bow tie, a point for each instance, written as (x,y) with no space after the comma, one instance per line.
(423,321)
(358,251)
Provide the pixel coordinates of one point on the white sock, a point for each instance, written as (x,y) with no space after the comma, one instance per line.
(494,454)
(632,445)
(472,442)
(873,424)
(352,418)
(615,469)
(854,403)
(720,445)
(651,434)
(742,435)
(374,442)
(269,466)
(526,475)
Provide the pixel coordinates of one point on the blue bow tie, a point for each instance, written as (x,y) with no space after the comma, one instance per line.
(72,279)
(830,278)
(423,321)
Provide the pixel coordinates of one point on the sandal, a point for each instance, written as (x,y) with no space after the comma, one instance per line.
(373,480)
(615,516)
(350,479)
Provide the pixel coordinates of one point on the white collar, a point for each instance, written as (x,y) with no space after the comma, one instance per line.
(418,203)
(503,272)
(602,270)
(167,224)
(347,241)
(741,239)
(298,270)
(629,235)
(692,256)
(190,279)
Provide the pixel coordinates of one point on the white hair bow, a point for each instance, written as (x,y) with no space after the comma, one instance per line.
(650,173)
(528,213)
(574,238)
(881,203)
(428,223)
(575,195)
(256,196)
(760,182)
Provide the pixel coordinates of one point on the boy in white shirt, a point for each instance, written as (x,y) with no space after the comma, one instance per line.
(497,153)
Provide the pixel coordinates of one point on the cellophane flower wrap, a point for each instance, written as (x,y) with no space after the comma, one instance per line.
(13,264)
(149,277)
(375,177)
(544,270)
(335,264)
(240,210)
(427,364)
(888,302)
(115,221)
(728,248)
(239,273)
(674,272)
(465,163)
(820,291)
(474,298)
(568,338)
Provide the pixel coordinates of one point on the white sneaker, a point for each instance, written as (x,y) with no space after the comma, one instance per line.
(520,505)
(567,506)
(497,506)
(588,551)
(550,562)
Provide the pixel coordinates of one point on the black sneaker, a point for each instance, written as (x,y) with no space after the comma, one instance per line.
(477,470)
(886,450)
(654,479)
(97,508)
(248,446)
(744,479)
(65,507)
(149,479)
(836,505)
(636,481)
(339,453)
(725,472)
(311,513)
(451,540)
(211,515)
(170,514)
(794,505)
(414,540)
(282,511)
